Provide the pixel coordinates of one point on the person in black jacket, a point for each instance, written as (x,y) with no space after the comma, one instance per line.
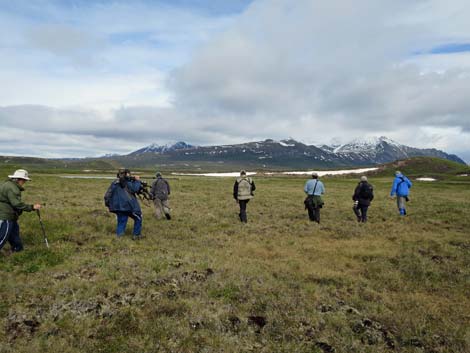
(363,195)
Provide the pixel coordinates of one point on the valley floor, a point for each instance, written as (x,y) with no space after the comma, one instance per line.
(203,282)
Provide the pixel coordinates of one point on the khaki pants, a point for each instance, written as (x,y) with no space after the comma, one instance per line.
(401,202)
(161,207)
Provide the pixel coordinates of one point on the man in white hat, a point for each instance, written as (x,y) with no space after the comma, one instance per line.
(11,208)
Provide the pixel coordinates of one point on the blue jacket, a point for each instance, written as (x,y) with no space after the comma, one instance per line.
(123,199)
(401,186)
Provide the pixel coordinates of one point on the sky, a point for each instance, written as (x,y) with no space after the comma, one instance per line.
(82,78)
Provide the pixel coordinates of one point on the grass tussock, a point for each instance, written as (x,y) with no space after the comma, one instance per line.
(203,282)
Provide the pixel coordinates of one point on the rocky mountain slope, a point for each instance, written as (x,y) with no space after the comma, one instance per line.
(287,153)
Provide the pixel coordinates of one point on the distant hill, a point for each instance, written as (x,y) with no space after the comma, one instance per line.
(9,163)
(424,166)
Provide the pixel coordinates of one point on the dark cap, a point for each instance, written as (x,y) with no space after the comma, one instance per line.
(122,172)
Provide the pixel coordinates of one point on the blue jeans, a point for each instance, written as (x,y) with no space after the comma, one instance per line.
(10,231)
(122,218)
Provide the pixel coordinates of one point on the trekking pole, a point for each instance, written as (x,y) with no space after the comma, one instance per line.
(42,227)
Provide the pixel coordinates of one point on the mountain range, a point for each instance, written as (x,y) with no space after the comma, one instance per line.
(272,154)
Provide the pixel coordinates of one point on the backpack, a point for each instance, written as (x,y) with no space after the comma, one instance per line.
(366,191)
(109,194)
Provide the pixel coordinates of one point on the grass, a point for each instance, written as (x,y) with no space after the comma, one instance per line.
(203,282)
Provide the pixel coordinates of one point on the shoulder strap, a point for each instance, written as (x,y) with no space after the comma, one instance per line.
(315,187)
(401,182)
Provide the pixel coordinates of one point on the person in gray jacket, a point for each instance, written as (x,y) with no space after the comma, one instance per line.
(160,192)
(243,193)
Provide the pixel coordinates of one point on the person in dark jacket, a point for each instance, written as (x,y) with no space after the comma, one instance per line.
(401,188)
(160,192)
(121,199)
(363,195)
(11,208)
(243,193)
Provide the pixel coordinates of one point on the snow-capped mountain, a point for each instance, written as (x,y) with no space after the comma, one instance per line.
(159,149)
(287,153)
(383,150)
(364,144)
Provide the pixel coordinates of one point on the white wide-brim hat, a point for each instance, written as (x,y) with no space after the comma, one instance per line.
(20,174)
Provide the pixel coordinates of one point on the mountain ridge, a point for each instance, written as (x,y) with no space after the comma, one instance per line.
(271,155)
(289,152)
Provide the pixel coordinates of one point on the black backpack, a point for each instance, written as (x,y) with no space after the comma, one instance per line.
(366,191)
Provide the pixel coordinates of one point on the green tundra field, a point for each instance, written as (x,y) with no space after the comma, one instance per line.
(203,282)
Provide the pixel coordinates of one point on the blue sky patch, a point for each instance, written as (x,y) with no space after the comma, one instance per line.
(451,48)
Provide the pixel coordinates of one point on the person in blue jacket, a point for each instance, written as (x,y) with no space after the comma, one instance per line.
(314,188)
(401,188)
(121,199)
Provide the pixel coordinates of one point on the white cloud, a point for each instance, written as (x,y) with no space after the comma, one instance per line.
(329,67)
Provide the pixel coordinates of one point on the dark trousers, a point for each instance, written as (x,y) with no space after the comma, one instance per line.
(361,212)
(242,213)
(10,231)
(314,213)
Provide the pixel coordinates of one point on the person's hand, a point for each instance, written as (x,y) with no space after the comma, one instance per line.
(137,177)
(392,197)
(36,206)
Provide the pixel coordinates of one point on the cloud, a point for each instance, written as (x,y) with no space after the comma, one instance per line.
(329,66)
(65,53)
(275,68)
(58,145)
(61,39)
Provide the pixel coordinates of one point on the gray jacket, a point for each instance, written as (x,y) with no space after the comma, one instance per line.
(160,189)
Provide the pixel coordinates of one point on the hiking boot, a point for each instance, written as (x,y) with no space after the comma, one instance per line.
(137,237)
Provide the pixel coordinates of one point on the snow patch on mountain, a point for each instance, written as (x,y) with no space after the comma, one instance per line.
(156,148)
(365,144)
(282,143)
